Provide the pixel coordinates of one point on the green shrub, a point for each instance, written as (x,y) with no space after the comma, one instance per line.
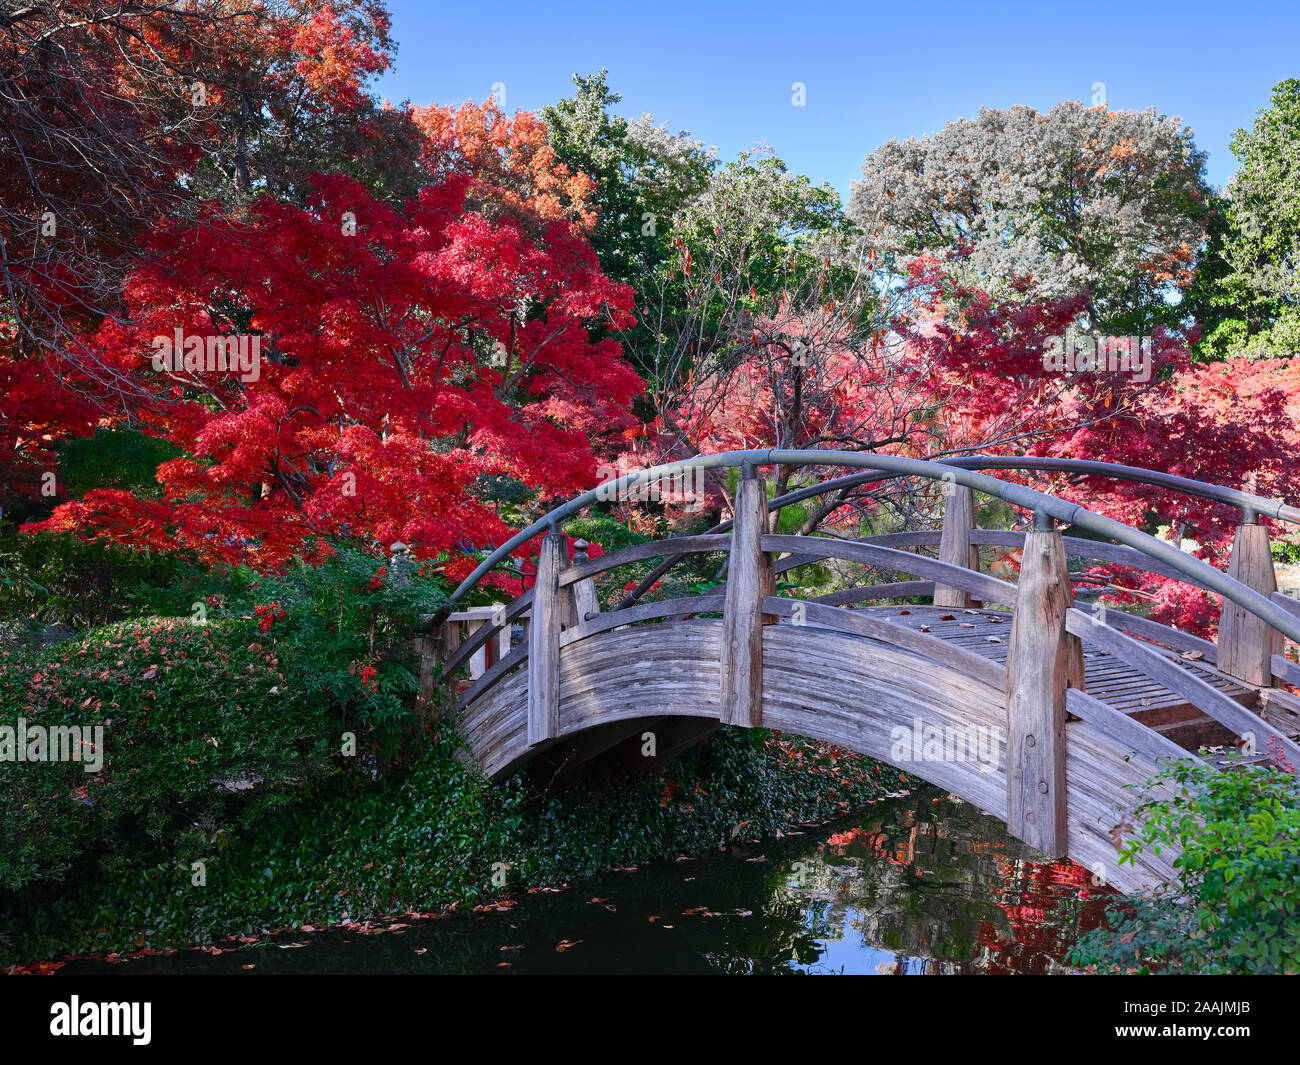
(1235,905)
(342,628)
(183,707)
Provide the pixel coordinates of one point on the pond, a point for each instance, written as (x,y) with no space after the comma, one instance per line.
(917,883)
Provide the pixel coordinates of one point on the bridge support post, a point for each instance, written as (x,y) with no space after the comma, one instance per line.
(749,578)
(955,546)
(1043,661)
(1247,644)
(583,603)
(544,641)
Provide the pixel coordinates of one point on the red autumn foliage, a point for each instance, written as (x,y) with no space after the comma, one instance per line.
(398,365)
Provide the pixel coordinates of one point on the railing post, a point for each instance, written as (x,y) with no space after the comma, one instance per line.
(544,641)
(955,546)
(749,578)
(1247,644)
(1043,661)
(586,604)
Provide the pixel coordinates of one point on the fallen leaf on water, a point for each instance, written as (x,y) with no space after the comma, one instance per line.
(504,964)
(248,966)
(565,944)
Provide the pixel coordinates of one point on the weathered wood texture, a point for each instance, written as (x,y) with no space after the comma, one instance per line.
(983,587)
(1247,643)
(749,579)
(955,545)
(867,695)
(544,642)
(1150,662)
(1043,662)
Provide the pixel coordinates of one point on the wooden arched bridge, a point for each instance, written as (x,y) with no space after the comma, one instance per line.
(1008,695)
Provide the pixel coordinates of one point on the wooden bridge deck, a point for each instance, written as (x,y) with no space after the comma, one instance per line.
(1107,677)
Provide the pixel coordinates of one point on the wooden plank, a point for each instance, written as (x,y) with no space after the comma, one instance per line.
(1284,669)
(674,548)
(896,590)
(489,679)
(941,651)
(1247,643)
(749,579)
(955,545)
(471,646)
(544,642)
(629,615)
(1176,678)
(586,604)
(1044,661)
(920,538)
(478,660)
(983,587)
(1123,729)
(1153,630)
(1092,550)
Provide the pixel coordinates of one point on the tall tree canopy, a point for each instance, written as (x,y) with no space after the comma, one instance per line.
(401,361)
(1104,205)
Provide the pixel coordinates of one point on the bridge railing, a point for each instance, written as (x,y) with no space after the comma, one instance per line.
(1044,672)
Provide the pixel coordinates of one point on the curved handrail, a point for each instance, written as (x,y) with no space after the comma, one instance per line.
(1270,508)
(1252,504)
(1043,506)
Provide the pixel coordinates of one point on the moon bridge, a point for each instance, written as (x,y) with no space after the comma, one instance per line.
(1008,695)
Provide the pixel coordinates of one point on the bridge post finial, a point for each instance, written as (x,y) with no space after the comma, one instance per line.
(1247,644)
(749,579)
(955,545)
(1043,661)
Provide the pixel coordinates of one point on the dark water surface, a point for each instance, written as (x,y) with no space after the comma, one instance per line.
(921,883)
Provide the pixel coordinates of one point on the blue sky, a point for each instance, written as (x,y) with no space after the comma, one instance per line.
(873,71)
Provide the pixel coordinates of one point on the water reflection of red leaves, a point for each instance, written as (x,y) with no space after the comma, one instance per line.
(875,841)
(1036,900)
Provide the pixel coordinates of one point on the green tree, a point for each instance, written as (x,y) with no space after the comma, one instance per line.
(1106,205)
(644,174)
(1247,293)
